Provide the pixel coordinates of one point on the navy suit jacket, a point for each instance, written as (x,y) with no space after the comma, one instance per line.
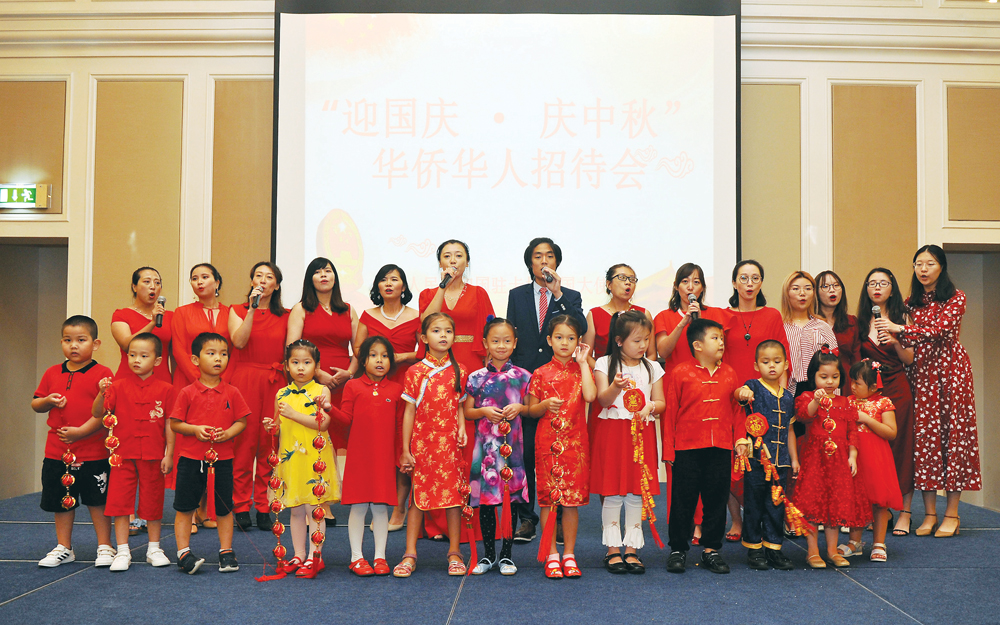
(533,350)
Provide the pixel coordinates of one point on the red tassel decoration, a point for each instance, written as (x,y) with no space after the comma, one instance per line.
(211,492)
(474,554)
(550,530)
(656,534)
(506,525)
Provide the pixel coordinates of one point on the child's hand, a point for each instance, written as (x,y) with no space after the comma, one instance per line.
(56,400)
(511,411)
(221,435)
(166,465)
(795,468)
(619,381)
(647,409)
(493,414)
(323,401)
(743,449)
(406,462)
(744,394)
(853,462)
(340,376)
(204,433)
(462,437)
(269,424)
(285,409)
(580,355)
(105,383)
(68,435)
(864,418)
(554,405)
(820,394)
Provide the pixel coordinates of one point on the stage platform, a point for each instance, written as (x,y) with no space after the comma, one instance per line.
(926,580)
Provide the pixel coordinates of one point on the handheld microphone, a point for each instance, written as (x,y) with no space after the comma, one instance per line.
(548,275)
(255,301)
(445,281)
(162,301)
(876,312)
(692,298)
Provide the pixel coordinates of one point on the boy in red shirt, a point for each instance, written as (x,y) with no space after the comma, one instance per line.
(207,414)
(140,403)
(699,433)
(75,468)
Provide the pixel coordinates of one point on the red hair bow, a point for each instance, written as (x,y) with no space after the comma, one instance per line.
(825,348)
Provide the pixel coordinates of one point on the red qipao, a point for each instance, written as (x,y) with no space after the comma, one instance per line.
(875,465)
(896,387)
(137,321)
(826,493)
(187,322)
(371,410)
(602,327)
(470,312)
(762,324)
(564,381)
(404,338)
(946,453)
(258,374)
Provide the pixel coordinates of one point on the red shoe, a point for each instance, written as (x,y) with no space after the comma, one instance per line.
(361,568)
(570,568)
(292,565)
(310,568)
(381,567)
(553,569)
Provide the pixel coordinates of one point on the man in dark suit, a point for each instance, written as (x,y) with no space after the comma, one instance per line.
(530,307)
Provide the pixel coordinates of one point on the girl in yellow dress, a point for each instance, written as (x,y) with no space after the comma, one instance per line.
(303,488)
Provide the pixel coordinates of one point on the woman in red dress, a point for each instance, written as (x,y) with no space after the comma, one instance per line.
(141,317)
(946,455)
(188,321)
(469,306)
(620,282)
(880,289)
(258,330)
(832,306)
(400,324)
(670,329)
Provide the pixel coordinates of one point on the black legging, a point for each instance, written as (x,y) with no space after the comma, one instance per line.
(488,525)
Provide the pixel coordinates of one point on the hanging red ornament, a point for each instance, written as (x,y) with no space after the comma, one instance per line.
(319,489)
(68,501)
(67,479)
(506,450)
(318,513)
(506,473)
(319,442)
(319,466)
(276,505)
(115,460)
(279,551)
(110,421)
(503,428)
(278,529)
(211,456)
(68,457)
(273,460)
(275,482)
(317,538)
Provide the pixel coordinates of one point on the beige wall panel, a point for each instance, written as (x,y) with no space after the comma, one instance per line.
(772,181)
(241,182)
(874,183)
(137,194)
(33,118)
(973,154)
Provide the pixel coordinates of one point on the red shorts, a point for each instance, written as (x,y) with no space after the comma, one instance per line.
(144,475)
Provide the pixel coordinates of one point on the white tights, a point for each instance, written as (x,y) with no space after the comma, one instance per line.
(356,528)
(303,525)
(610,516)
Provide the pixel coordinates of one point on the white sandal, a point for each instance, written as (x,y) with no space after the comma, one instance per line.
(851,548)
(483,566)
(507,567)
(878,553)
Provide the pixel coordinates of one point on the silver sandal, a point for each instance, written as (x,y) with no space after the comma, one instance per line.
(483,566)
(507,567)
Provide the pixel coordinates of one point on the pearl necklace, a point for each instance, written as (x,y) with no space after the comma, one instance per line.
(381,309)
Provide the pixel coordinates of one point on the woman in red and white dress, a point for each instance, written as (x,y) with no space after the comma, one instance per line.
(400,324)
(946,451)
(805,330)
(141,317)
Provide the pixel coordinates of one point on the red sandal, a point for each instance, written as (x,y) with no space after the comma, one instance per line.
(361,568)
(553,569)
(570,568)
(292,565)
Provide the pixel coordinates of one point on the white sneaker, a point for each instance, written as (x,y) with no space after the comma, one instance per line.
(105,555)
(59,555)
(121,561)
(156,557)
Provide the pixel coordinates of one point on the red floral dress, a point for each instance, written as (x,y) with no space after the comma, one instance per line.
(826,492)
(875,464)
(946,445)
(439,468)
(555,379)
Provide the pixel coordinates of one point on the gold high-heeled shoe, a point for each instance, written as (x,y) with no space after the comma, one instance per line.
(920,531)
(954,532)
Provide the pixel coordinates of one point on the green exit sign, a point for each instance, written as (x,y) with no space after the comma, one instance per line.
(25,195)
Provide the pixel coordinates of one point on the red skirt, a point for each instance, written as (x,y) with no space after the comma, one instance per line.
(826,492)
(613,470)
(877,470)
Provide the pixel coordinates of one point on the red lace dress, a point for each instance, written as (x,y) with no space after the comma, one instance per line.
(555,379)
(875,463)
(946,447)
(826,492)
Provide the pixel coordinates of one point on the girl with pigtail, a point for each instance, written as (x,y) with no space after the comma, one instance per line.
(623,449)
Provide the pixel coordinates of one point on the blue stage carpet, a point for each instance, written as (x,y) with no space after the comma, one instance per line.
(926,580)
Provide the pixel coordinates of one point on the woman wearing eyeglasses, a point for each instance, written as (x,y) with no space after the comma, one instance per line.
(946,444)
(832,306)
(880,289)
(805,330)
(753,321)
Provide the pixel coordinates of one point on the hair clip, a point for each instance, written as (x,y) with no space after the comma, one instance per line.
(490,318)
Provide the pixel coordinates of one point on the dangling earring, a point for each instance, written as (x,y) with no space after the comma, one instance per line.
(216,292)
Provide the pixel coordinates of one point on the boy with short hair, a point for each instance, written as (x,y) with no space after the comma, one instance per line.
(140,404)
(763,520)
(75,469)
(207,414)
(699,433)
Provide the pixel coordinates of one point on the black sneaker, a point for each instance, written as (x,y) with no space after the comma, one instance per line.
(242,519)
(757,560)
(525,533)
(559,534)
(713,562)
(264,521)
(190,563)
(778,560)
(677,562)
(227,562)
